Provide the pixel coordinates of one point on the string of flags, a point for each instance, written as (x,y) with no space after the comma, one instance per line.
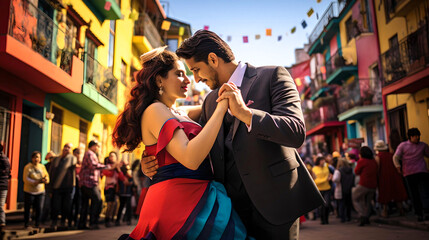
(268,31)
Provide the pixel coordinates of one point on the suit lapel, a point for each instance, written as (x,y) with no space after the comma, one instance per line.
(248,79)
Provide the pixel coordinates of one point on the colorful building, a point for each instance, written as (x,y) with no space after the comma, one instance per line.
(65,70)
(403,32)
(345,87)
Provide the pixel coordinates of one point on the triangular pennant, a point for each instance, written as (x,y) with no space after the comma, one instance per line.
(258,36)
(317,16)
(229,38)
(318,1)
(310,12)
(245,39)
(304,24)
(279,38)
(293,30)
(206,27)
(107,6)
(268,31)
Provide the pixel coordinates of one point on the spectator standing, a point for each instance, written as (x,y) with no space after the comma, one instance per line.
(111,182)
(75,206)
(125,192)
(415,171)
(364,192)
(4,184)
(390,184)
(89,182)
(323,176)
(35,177)
(47,203)
(344,180)
(63,180)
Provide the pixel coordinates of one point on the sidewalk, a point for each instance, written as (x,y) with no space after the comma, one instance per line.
(407,221)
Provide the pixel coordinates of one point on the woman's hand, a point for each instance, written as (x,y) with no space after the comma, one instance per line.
(223,105)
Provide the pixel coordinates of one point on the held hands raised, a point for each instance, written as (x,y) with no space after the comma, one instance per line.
(236,103)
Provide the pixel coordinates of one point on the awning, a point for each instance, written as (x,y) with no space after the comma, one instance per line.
(360,112)
(325,127)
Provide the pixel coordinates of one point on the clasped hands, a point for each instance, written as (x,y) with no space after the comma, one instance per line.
(237,108)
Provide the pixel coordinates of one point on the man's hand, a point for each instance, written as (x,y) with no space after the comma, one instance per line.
(149,165)
(236,103)
(399,170)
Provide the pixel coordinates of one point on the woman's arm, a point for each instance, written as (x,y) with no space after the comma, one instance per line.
(193,112)
(189,153)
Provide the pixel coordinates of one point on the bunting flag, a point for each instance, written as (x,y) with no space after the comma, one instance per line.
(107,6)
(318,1)
(279,38)
(229,38)
(258,36)
(304,24)
(245,39)
(310,12)
(165,25)
(268,31)
(181,31)
(317,16)
(293,30)
(206,27)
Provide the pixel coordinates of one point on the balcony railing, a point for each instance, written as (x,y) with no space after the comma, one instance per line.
(409,56)
(360,92)
(101,78)
(320,115)
(317,83)
(145,27)
(333,11)
(35,29)
(335,62)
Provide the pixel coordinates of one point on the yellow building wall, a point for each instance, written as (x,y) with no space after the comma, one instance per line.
(348,47)
(417,111)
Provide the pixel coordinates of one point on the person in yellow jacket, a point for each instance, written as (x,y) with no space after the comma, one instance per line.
(35,177)
(323,176)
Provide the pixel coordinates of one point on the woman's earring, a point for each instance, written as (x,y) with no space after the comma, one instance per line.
(161,91)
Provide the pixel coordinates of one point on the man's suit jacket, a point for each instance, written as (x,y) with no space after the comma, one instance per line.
(272,172)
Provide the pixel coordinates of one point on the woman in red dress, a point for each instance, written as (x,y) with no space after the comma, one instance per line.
(182,201)
(390,184)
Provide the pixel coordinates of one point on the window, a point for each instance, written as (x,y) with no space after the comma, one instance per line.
(124,73)
(398,120)
(111,43)
(393,41)
(56,130)
(90,62)
(5,104)
(83,133)
(132,73)
(349,29)
(366,16)
(172,44)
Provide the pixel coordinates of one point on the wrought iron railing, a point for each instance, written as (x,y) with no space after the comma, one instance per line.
(333,11)
(317,83)
(360,92)
(35,29)
(334,63)
(316,116)
(145,27)
(409,56)
(101,78)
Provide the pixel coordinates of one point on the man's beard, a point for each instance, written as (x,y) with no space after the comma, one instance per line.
(215,80)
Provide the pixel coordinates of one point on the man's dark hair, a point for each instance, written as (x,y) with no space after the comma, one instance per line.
(413,132)
(201,44)
(366,152)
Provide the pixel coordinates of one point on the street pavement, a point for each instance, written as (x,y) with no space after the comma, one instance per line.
(310,230)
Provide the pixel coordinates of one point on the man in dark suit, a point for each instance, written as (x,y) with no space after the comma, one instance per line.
(254,155)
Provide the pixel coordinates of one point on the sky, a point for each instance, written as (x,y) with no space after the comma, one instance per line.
(238,18)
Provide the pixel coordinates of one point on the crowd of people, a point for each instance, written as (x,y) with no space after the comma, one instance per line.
(384,180)
(66,190)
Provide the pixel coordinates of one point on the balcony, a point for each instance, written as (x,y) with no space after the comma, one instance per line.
(359,98)
(411,55)
(99,91)
(326,28)
(146,35)
(321,120)
(400,8)
(318,87)
(35,46)
(102,11)
(338,70)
